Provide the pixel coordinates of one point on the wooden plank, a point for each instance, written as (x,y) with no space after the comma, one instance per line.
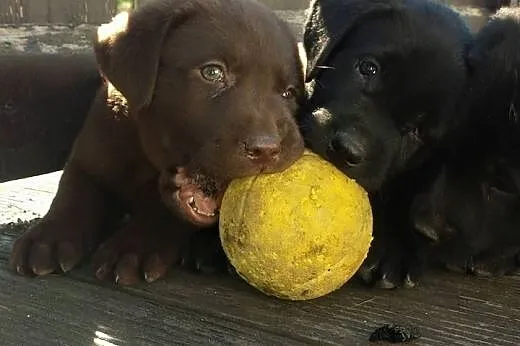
(25,199)
(10,11)
(36,11)
(66,11)
(139,3)
(100,11)
(186,308)
(193,309)
(286,4)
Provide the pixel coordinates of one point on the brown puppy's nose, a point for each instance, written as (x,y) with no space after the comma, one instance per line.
(263,149)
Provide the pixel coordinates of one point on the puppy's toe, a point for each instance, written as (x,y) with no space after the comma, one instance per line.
(386,283)
(390,273)
(367,272)
(127,270)
(41,259)
(410,281)
(495,266)
(481,271)
(104,262)
(155,268)
(68,256)
(19,255)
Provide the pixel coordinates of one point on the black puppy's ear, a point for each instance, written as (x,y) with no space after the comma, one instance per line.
(128,48)
(329,21)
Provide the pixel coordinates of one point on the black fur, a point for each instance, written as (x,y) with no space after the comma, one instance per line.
(385,80)
(471,210)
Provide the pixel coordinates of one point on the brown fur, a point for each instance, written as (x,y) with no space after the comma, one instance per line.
(160,124)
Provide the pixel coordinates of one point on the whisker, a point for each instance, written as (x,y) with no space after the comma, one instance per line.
(324,67)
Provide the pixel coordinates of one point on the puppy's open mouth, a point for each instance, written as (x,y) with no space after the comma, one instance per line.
(197,196)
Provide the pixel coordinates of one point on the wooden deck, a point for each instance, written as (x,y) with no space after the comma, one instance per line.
(198,309)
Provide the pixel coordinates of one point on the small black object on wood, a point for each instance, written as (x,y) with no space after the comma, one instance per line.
(394,333)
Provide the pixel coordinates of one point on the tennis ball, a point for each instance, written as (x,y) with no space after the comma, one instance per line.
(299,234)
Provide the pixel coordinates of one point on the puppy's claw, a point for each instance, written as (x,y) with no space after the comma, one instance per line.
(154,268)
(482,272)
(127,270)
(68,256)
(409,282)
(385,283)
(20,269)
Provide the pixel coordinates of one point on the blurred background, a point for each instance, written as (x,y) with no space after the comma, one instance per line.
(68,26)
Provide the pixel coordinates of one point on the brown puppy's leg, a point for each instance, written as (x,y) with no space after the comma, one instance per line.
(68,231)
(146,245)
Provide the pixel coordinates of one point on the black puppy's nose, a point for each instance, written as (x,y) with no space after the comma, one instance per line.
(263,149)
(349,147)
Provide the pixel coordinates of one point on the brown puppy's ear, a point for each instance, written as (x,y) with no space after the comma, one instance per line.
(329,21)
(128,48)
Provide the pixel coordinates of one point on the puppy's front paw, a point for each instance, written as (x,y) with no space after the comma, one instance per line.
(49,247)
(390,264)
(486,266)
(138,251)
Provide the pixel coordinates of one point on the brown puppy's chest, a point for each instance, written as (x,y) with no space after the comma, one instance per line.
(109,149)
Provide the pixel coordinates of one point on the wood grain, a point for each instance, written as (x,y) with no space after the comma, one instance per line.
(195,309)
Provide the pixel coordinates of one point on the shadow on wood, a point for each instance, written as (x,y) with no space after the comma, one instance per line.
(44,100)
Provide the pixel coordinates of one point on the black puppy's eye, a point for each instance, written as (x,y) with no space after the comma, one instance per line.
(368,67)
(213,73)
(289,93)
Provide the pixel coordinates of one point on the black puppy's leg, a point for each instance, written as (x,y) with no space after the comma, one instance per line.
(392,262)
(398,253)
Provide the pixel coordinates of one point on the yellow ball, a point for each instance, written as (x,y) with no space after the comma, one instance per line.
(299,234)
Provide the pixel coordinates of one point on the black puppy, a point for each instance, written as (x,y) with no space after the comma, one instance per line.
(384,78)
(385,81)
(471,210)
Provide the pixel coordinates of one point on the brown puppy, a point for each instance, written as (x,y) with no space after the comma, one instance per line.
(198,92)
(44,100)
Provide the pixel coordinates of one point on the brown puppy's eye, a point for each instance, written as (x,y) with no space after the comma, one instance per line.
(368,67)
(213,73)
(289,93)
